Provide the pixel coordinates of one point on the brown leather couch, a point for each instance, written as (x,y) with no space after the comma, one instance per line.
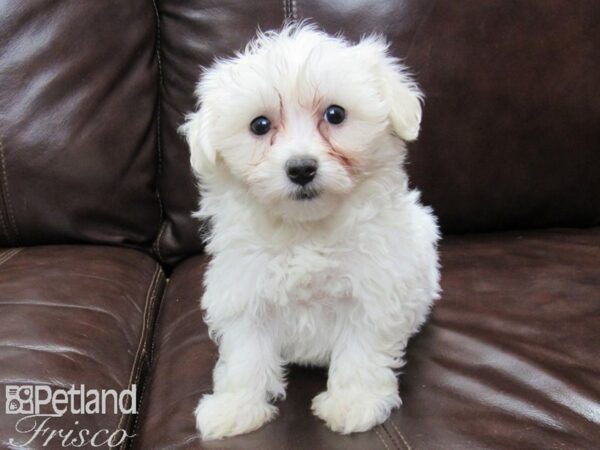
(101,265)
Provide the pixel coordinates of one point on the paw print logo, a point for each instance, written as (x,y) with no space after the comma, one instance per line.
(19,399)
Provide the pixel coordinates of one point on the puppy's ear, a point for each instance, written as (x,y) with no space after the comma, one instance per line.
(196,130)
(397,87)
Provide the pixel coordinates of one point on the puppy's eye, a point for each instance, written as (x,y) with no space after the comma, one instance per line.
(261,125)
(335,114)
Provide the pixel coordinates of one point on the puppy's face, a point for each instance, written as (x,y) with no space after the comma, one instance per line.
(301,118)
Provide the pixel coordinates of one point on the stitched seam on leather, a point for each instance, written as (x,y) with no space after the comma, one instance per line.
(137,416)
(3,208)
(160,307)
(4,212)
(148,314)
(9,255)
(150,359)
(400,434)
(8,201)
(381,439)
(141,350)
(156,245)
(2,223)
(397,443)
(163,227)
(135,365)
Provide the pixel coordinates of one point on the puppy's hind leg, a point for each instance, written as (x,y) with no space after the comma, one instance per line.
(247,376)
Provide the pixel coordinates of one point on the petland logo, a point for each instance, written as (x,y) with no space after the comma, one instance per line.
(40,404)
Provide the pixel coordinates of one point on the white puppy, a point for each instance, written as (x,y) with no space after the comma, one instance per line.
(321,255)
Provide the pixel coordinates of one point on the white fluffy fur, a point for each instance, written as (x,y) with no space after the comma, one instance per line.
(341,280)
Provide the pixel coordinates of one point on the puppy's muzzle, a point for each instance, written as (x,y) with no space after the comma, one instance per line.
(302,170)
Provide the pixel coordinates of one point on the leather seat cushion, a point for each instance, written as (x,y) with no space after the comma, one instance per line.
(508,359)
(75,315)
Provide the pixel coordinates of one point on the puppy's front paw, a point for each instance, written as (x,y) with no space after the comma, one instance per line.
(351,411)
(229,414)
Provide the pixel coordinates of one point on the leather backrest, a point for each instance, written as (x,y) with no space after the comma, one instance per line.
(509,139)
(78,148)
(510,135)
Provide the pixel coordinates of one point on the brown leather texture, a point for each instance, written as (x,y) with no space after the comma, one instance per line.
(508,359)
(75,315)
(509,137)
(78,145)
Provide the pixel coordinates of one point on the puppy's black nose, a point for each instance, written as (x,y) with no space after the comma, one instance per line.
(301,170)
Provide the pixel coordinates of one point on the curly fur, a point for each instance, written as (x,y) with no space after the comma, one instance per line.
(341,280)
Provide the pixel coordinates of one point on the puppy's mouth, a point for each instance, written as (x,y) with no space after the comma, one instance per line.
(305,193)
